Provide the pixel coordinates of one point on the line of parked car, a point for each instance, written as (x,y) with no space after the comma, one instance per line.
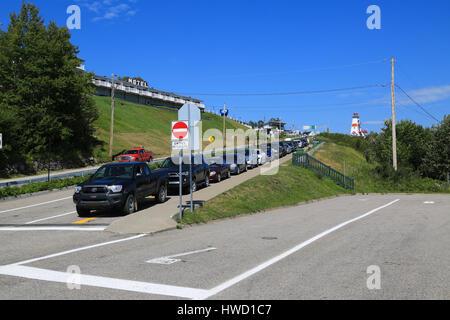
(123,186)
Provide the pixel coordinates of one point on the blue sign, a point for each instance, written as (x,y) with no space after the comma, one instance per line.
(224,112)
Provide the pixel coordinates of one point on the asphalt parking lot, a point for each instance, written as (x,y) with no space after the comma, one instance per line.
(320,250)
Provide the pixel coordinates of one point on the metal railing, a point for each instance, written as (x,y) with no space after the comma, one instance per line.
(307,161)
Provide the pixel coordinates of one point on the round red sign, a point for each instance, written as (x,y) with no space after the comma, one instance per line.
(180,130)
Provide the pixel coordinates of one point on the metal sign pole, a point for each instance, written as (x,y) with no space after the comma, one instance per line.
(193,114)
(181,184)
(190,159)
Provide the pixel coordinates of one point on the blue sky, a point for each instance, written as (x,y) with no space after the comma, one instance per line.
(244,47)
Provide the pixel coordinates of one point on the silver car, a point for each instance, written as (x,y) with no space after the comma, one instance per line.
(251,158)
(262,157)
(236,161)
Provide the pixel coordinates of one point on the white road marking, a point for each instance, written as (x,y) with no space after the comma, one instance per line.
(429,202)
(18,270)
(80,249)
(49,218)
(35,205)
(52,229)
(274,260)
(171,260)
(102,282)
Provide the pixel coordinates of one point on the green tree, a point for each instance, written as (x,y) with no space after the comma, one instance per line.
(252,124)
(47,100)
(260,124)
(412,145)
(437,159)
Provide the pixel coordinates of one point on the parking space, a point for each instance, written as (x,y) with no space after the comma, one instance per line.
(205,261)
(52,210)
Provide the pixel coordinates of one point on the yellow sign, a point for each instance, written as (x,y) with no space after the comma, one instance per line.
(211,139)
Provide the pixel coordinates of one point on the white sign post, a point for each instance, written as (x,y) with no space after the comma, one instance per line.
(180,141)
(1,141)
(191,112)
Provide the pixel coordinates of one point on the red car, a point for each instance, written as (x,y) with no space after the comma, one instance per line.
(219,172)
(138,154)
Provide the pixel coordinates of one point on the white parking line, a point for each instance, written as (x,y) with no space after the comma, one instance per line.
(274,260)
(18,270)
(102,282)
(49,218)
(171,260)
(35,205)
(52,229)
(80,249)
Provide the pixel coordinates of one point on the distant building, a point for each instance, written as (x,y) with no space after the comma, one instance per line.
(277,123)
(292,133)
(139,92)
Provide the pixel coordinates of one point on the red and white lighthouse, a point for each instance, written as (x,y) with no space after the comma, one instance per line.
(356,127)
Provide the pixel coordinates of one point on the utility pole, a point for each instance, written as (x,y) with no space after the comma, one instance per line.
(224,124)
(111,133)
(394,131)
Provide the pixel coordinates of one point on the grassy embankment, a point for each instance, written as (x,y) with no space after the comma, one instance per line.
(365,176)
(292,185)
(143,125)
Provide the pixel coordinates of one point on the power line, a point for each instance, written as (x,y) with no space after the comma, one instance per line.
(311,107)
(286,93)
(407,108)
(301,71)
(417,104)
(415,83)
(410,79)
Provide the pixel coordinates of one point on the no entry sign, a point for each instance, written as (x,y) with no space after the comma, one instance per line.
(180,130)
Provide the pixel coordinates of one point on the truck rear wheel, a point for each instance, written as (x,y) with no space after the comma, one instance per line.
(162,193)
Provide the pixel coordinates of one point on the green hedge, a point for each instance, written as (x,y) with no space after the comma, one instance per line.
(41,186)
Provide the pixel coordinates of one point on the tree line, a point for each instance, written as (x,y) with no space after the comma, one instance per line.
(46,106)
(421,151)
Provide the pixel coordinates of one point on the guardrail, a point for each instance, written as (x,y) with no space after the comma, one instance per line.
(307,161)
(42,179)
(57,176)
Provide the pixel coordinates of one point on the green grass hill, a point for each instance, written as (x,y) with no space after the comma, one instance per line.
(336,154)
(149,126)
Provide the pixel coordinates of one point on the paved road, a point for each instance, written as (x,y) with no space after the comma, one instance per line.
(320,250)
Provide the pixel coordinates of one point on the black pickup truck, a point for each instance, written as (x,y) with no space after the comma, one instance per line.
(200,172)
(121,187)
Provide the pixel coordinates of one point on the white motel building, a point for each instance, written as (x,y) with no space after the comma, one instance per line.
(139,92)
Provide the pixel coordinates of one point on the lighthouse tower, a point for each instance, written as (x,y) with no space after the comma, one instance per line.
(356,126)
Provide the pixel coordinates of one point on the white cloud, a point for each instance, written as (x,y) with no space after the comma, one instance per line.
(113,12)
(431,94)
(109,9)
